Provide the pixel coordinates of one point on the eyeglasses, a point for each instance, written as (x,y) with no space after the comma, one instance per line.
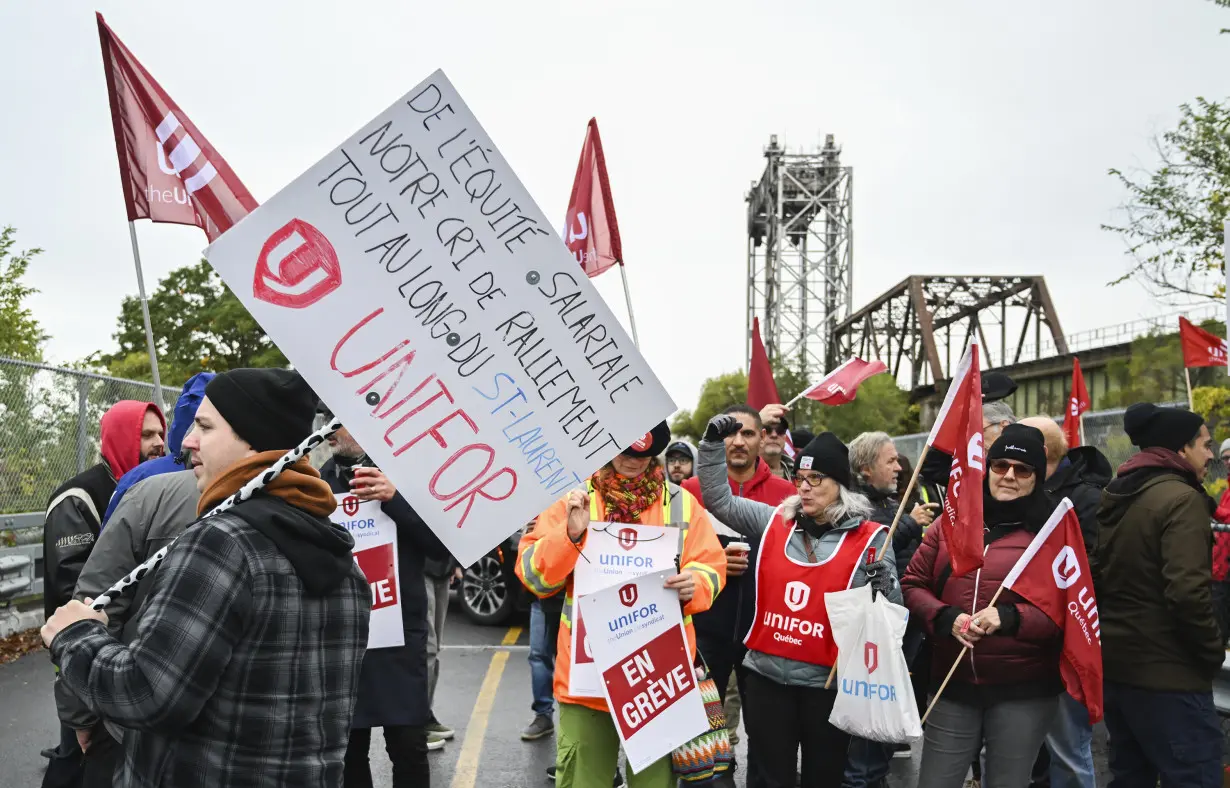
(777,429)
(812,480)
(1001,467)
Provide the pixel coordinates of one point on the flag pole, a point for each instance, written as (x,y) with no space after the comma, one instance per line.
(149,329)
(956,662)
(1187,375)
(628,296)
(796,399)
(1081,422)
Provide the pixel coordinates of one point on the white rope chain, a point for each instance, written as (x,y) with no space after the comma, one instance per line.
(247,491)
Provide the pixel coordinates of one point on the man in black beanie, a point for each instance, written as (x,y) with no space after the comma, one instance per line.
(246,660)
(1161,645)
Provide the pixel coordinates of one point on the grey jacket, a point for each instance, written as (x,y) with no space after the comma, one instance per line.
(751,518)
(151,515)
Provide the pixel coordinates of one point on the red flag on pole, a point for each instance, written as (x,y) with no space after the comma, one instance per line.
(958,433)
(169,171)
(1053,575)
(761,388)
(1200,348)
(1078,403)
(840,386)
(590,229)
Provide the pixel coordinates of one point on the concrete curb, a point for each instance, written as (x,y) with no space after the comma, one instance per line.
(15,621)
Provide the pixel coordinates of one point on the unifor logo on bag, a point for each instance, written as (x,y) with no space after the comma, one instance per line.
(1066,568)
(628,594)
(797,594)
(871,656)
(627,538)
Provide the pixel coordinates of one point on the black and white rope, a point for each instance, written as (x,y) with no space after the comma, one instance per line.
(247,491)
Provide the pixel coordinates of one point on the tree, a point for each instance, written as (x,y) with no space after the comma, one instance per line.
(199,326)
(21,335)
(716,394)
(1174,215)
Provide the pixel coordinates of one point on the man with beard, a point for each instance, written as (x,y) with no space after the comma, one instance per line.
(773,441)
(680,461)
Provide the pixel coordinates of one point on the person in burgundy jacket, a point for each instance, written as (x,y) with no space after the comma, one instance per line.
(1006,688)
(1221,555)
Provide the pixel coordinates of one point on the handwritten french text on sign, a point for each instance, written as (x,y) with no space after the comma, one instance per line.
(411,279)
(640,647)
(613,553)
(375,551)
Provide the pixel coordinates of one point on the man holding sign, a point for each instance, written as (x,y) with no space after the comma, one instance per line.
(391,541)
(630,489)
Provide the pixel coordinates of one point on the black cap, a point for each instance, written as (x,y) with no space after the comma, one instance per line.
(270,409)
(1022,443)
(802,436)
(651,443)
(997,386)
(679,447)
(1148,426)
(828,455)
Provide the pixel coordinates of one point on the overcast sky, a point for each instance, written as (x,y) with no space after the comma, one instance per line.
(980,133)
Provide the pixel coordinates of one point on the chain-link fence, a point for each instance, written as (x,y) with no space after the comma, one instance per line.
(49,427)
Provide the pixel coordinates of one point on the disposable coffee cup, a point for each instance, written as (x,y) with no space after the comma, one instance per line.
(740,546)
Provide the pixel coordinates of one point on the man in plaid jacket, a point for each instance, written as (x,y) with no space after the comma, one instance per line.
(246,662)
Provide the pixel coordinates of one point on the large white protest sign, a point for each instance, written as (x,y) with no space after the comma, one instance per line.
(648,679)
(613,553)
(375,551)
(411,279)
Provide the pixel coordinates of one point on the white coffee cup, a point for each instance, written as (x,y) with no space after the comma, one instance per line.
(742,547)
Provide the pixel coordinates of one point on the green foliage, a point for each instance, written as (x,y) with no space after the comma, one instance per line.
(716,394)
(1175,214)
(1152,373)
(199,326)
(21,336)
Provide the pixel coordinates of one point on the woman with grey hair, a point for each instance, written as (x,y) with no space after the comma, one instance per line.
(815,542)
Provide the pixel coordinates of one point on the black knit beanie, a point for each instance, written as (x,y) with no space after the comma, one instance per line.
(1023,444)
(270,409)
(1147,426)
(828,455)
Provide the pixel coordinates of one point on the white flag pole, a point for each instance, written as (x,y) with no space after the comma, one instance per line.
(149,329)
(628,296)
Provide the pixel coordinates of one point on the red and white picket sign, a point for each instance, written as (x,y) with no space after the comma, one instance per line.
(375,551)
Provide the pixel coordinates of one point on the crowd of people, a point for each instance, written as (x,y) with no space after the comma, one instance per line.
(243,659)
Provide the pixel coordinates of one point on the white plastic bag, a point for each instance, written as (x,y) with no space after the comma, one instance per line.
(875,699)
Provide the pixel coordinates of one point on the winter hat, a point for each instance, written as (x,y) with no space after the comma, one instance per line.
(271,409)
(1021,443)
(1148,426)
(828,455)
(802,436)
(997,386)
(1224,445)
(679,447)
(651,443)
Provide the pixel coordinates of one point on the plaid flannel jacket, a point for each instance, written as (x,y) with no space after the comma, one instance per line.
(237,677)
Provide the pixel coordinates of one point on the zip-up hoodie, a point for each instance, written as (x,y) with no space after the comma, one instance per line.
(732,612)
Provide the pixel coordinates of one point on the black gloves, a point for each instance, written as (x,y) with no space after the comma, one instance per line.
(879,577)
(721,427)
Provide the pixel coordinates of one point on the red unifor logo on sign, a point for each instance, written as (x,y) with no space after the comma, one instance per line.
(627,538)
(871,656)
(297,267)
(628,594)
(377,566)
(350,505)
(649,681)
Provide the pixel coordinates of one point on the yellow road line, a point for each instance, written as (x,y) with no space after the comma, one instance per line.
(510,637)
(465,775)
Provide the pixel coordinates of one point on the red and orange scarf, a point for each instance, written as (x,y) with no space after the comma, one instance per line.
(625,499)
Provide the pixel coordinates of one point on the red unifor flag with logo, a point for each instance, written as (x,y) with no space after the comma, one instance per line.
(1078,403)
(840,386)
(1200,348)
(761,388)
(1053,575)
(958,433)
(169,171)
(590,229)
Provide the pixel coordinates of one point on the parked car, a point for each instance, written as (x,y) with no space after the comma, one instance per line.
(489,591)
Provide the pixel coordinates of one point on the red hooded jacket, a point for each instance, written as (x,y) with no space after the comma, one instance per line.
(1221,540)
(121,434)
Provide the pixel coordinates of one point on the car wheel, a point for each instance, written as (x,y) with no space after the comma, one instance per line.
(486,597)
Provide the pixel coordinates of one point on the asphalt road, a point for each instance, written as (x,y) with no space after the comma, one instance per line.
(484,693)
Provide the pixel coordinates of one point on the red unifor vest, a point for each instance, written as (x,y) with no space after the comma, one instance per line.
(791,619)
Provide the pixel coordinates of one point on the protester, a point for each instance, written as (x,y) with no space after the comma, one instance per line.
(131,433)
(544,630)
(803,543)
(903,483)
(247,654)
(1078,474)
(1005,689)
(720,631)
(876,468)
(995,416)
(1161,646)
(1221,554)
(392,690)
(773,444)
(438,576)
(185,409)
(631,488)
(680,461)
(933,478)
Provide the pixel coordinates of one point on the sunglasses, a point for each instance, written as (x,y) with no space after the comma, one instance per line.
(776,429)
(1001,467)
(812,480)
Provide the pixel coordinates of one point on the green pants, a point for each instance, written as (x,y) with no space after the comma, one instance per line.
(587,751)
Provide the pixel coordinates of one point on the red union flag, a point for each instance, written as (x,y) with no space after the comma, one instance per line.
(1053,575)
(761,388)
(1200,348)
(590,229)
(840,386)
(169,171)
(958,433)
(1078,403)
